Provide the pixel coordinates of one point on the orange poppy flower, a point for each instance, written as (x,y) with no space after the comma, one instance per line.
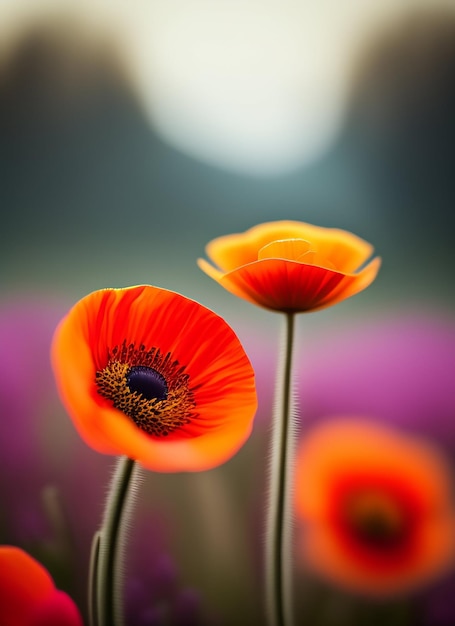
(376,507)
(28,596)
(147,373)
(291,266)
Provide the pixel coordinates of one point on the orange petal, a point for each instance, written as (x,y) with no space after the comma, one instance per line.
(59,610)
(290,249)
(232,251)
(343,249)
(282,285)
(24,583)
(220,375)
(315,258)
(352,284)
(197,453)
(28,595)
(217,275)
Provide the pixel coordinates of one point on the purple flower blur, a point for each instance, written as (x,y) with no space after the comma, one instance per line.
(399,370)
(26,391)
(154,593)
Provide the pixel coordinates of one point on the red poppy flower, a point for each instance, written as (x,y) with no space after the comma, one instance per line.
(28,596)
(291,266)
(376,505)
(147,373)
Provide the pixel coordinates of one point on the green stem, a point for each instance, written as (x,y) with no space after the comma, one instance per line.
(106,565)
(277,555)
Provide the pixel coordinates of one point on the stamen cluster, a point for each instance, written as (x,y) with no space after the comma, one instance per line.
(154,416)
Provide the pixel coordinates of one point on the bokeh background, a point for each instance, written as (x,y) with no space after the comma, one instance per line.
(132,133)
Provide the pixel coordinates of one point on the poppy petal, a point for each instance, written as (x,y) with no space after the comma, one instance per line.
(59,610)
(282,285)
(290,249)
(28,596)
(23,584)
(197,453)
(344,249)
(352,284)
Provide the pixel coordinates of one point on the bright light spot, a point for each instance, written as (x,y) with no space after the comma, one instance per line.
(258,86)
(244,86)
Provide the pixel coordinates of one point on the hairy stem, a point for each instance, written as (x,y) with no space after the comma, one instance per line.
(278,531)
(105,565)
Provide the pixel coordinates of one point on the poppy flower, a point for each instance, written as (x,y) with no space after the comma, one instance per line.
(291,266)
(28,596)
(147,373)
(376,507)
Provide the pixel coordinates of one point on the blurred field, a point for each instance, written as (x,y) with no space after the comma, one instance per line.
(132,134)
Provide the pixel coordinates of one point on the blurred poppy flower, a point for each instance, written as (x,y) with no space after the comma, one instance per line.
(28,596)
(147,373)
(376,507)
(291,266)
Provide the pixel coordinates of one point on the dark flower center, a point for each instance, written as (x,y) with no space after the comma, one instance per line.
(377,530)
(149,387)
(377,521)
(148,382)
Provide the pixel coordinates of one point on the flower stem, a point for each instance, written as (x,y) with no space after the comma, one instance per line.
(105,565)
(278,531)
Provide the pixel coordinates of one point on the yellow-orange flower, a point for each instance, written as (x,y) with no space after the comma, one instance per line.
(147,373)
(375,505)
(28,596)
(291,266)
